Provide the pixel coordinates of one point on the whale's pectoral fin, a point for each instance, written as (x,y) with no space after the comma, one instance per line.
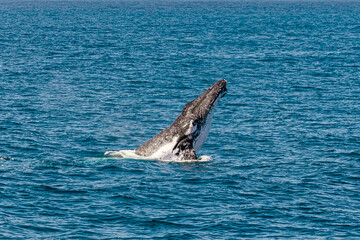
(186,149)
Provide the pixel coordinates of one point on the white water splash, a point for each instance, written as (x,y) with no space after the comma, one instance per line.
(130,154)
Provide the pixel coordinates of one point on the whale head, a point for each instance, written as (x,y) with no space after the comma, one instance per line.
(201,107)
(196,119)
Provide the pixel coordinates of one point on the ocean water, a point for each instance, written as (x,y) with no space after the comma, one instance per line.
(78,78)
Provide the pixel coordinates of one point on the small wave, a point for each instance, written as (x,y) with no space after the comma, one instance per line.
(4,158)
(130,154)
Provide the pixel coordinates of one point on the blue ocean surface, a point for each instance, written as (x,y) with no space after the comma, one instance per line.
(79,78)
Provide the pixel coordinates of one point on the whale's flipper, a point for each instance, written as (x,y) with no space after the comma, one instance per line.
(185,136)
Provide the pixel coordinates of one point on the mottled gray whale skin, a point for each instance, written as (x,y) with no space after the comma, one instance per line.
(185,136)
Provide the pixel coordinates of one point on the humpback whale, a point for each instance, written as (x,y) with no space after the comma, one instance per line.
(185,136)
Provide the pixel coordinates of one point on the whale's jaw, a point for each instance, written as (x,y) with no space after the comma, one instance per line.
(186,135)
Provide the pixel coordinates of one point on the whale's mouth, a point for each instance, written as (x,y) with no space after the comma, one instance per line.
(223,92)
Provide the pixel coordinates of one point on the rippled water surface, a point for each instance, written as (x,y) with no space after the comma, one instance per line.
(78,78)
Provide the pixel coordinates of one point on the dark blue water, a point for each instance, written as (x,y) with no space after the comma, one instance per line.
(79,78)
